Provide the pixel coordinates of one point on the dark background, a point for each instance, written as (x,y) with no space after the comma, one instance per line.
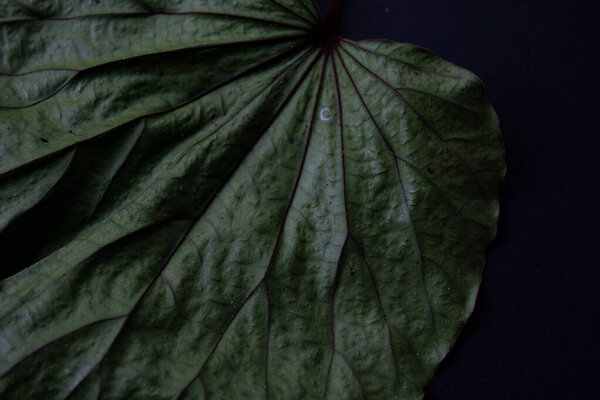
(535,331)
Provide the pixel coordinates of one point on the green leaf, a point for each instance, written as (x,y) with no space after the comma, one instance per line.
(222,200)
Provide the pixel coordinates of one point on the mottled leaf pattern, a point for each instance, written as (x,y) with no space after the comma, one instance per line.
(205,199)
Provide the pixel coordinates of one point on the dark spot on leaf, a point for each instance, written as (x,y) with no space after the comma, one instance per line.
(430,170)
(43,140)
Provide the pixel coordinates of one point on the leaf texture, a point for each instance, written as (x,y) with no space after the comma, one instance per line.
(211,200)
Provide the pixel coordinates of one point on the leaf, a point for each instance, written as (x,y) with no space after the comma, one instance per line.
(223,200)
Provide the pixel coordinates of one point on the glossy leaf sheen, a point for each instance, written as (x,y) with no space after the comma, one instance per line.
(203,201)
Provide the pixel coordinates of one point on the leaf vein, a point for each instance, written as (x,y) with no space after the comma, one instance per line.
(404,200)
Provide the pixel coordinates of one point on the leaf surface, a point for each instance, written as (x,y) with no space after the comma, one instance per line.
(220,200)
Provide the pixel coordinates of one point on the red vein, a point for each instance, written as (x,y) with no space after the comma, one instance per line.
(271,84)
(415,66)
(342,142)
(332,315)
(423,175)
(381,309)
(404,197)
(445,100)
(255,98)
(304,154)
(420,116)
(279,235)
(243,73)
(56,91)
(337,270)
(438,189)
(185,236)
(38,294)
(370,272)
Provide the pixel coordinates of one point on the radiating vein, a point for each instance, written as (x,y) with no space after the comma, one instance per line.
(142,192)
(459,213)
(140,189)
(279,236)
(340,257)
(185,235)
(421,117)
(245,72)
(415,66)
(437,96)
(416,240)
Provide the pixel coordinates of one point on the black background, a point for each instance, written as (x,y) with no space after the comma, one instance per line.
(535,330)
